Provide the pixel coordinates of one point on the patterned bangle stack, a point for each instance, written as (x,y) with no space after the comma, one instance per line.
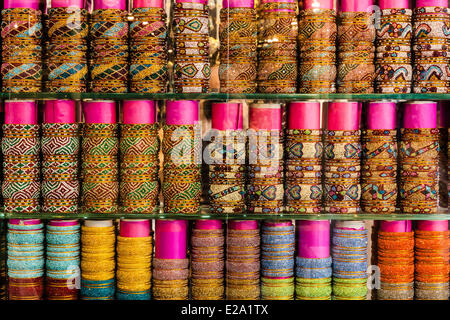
(349,251)
(66,61)
(21,50)
(419,151)
(97,260)
(356,36)
(21,185)
(192,68)
(277,260)
(207,254)
(342,171)
(430,48)
(242,261)
(170,279)
(3,258)
(238,60)
(109,47)
(317,50)
(63,259)
(277,47)
(25,259)
(393,52)
(148,50)
(60,186)
(100,188)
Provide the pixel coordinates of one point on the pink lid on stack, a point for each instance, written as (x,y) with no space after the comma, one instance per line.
(208,224)
(343,116)
(183,112)
(444,114)
(21,112)
(26,222)
(278,223)
(171,239)
(393,4)
(32,4)
(238,4)
(395,226)
(318,4)
(135,228)
(59,111)
(110,4)
(139,112)
(243,224)
(67,3)
(148,3)
(356,5)
(99,111)
(431,3)
(313,239)
(420,115)
(265,116)
(304,115)
(227,116)
(432,225)
(381,116)
(192,1)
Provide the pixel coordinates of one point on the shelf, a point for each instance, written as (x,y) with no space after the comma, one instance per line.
(223,96)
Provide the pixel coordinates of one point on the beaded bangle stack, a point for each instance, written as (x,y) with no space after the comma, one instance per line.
(63,259)
(393,52)
(109,47)
(170,279)
(207,254)
(148,50)
(25,259)
(277,47)
(97,260)
(317,50)
(277,260)
(192,68)
(66,61)
(430,48)
(3,258)
(356,36)
(238,60)
(21,50)
(242,260)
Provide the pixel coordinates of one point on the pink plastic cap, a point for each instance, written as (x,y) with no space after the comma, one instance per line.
(110,4)
(265,116)
(208,224)
(435,225)
(183,112)
(304,115)
(243,224)
(381,115)
(32,4)
(60,111)
(343,116)
(418,115)
(21,112)
(135,228)
(238,4)
(227,116)
(148,3)
(395,226)
(139,111)
(431,3)
(313,238)
(26,222)
(171,239)
(67,3)
(393,4)
(63,223)
(356,5)
(99,111)
(317,4)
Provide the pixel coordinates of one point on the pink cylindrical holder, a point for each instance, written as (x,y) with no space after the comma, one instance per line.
(265,117)
(67,3)
(183,112)
(208,224)
(171,239)
(343,116)
(110,4)
(444,114)
(356,5)
(431,3)
(395,226)
(60,111)
(227,116)
(432,225)
(31,4)
(63,223)
(21,112)
(238,4)
(381,116)
(393,4)
(139,111)
(135,228)
(99,111)
(26,222)
(317,4)
(420,115)
(304,115)
(148,3)
(313,239)
(243,224)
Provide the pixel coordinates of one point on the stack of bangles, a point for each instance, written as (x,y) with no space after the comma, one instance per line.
(170,279)
(148,50)
(277,47)
(109,48)
(66,61)
(277,260)
(238,38)
(21,50)
(207,254)
(25,259)
(349,252)
(98,260)
(63,259)
(191,39)
(3,258)
(242,261)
